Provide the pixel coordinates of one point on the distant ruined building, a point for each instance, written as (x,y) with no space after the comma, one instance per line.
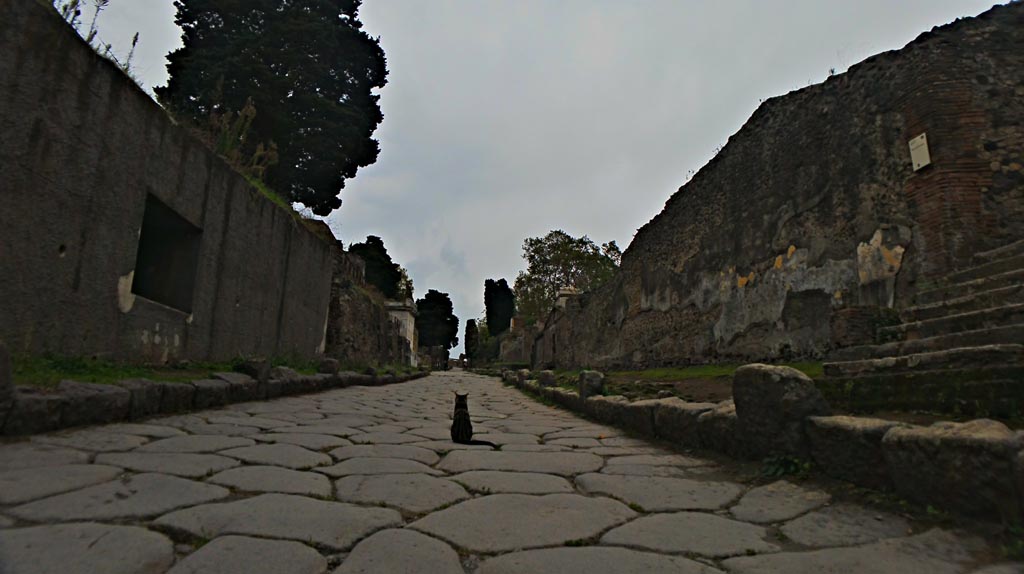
(836,210)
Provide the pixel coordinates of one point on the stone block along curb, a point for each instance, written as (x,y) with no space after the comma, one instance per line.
(30,410)
(974,468)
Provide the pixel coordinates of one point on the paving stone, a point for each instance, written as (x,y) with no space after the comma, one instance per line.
(659,460)
(244,555)
(92,440)
(653,493)
(286,455)
(373,465)
(504,437)
(844,525)
(347,420)
(220,429)
(264,423)
(563,463)
(496,481)
(384,438)
(377,555)
(581,442)
(623,441)
(584,432)
(780,500)
(274,479)
(591,560)
(504,522)
(390,428)
(147,430)
(23,485)
(132,497)
(416,493)
(646,470)
(443,446)
(189,465)
(934,552)
(333,525)
(623,450)
(535,448)
(693,533)
(6,522)
(325,428)
(84,549)
(196,443)
(418,454)
(310,441)
(31,455)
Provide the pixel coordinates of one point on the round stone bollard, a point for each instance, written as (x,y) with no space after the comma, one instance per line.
(546,378)
(772,405)
(591,383)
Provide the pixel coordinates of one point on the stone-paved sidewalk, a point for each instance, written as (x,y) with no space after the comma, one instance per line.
(365,479)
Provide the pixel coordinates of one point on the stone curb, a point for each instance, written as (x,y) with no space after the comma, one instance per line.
(77,404)
(973,469)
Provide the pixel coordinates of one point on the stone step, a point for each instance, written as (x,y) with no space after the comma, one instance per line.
(946,292)
(1008,250)
(955,323)
(973,302)
(1008,334)
(988,269)
(978,357)
(984,391)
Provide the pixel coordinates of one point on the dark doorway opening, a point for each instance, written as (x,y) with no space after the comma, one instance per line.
(168,256)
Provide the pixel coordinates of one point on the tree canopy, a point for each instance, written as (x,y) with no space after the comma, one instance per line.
(472,339)
(499,305)
(436,320)
(308,69)
(560,260)
(387,276)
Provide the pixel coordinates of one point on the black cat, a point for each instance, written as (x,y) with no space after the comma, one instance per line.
(462,427)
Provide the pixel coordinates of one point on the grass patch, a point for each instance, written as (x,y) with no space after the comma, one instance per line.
(48,371)
(811,369)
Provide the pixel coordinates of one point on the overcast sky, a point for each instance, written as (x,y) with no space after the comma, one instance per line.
(506,119)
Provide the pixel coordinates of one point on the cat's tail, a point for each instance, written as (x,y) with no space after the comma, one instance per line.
(482,443)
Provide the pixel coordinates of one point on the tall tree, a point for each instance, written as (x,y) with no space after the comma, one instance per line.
(381,271)
(560,260)
(472,338)
(436,320)
(308,68)
(499,305)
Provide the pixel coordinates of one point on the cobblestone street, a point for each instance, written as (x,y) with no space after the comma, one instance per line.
(366,479)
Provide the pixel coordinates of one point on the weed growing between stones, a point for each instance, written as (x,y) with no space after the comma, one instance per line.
(1013,547)
(779,466)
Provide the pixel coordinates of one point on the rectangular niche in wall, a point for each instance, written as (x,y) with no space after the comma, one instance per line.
(165,266)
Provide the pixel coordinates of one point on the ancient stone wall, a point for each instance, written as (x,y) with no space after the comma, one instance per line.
(122,235)
(814,205)
(360,328)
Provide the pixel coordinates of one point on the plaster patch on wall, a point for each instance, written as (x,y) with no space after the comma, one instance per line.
(876,261)
(125,297)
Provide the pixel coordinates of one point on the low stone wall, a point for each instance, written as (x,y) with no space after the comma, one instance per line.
(34,410)
(974,468)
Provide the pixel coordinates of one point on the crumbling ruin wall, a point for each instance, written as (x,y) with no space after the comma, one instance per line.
(122,236)
(360,329)
(814,206)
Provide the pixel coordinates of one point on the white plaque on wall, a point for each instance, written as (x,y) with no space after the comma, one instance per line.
(919,155)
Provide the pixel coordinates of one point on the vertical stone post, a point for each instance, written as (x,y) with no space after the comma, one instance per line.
(6,384)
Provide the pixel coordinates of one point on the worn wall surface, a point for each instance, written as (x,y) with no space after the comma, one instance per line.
(814,206)
(361,330)
(81,148)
